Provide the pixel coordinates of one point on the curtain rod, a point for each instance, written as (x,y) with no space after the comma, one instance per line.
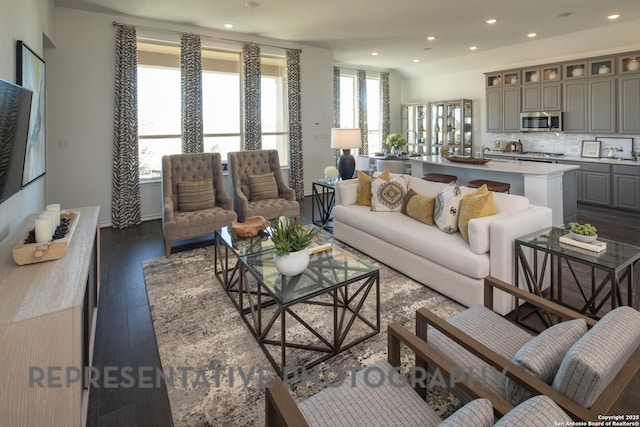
(114,23)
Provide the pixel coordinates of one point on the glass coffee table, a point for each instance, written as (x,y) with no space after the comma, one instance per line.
(300,321)
(617,262)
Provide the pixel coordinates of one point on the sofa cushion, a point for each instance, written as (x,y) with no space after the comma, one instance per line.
(479,237)
(195,196)
(419,207)
(542,355)
(537,411)
(262,187)
(477,413)
(595,359)
(363,197)
(387,196)
(394,228)
(475,205)
(448,208)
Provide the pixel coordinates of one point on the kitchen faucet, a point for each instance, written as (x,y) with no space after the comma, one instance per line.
(484,148)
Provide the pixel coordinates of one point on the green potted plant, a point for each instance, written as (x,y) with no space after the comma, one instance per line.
(291,239)
(583,232)
(635,155)
(396,141)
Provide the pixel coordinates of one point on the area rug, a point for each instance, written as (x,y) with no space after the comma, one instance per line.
(217,366)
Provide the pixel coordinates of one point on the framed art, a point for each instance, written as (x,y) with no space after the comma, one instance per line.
(591,149)
(30,74)
(617,147)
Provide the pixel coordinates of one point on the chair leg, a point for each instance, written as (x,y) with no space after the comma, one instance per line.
(167,248)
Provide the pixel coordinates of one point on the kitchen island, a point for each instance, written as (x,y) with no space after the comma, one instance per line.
(544,184)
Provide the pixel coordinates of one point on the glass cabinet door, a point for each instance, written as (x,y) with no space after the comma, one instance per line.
(450,125)
(414,128)
(437,128)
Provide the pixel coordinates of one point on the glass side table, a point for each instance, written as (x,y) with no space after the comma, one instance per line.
(617,262)
(324,197)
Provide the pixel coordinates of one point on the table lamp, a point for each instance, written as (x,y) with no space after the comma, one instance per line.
(346,139)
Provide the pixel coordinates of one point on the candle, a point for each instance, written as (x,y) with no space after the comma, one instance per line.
(55,208)
(43,229)
(52,218)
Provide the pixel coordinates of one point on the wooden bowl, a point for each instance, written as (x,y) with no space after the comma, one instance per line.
(251,227)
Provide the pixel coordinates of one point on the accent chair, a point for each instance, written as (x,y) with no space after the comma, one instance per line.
(258,187)
(195,200)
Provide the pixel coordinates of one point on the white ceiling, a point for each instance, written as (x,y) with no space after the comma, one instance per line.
(397,30)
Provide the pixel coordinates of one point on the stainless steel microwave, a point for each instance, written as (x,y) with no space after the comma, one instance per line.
(541,122)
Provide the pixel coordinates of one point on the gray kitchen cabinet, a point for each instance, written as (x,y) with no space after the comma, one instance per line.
(578,177)
(576,118)
(494,110)
(602,105)
(596,188)
(542,97)
(626,187)
(629,104)
(511,109)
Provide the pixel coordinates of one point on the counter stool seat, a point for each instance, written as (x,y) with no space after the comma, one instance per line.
(498,187)
(439,177)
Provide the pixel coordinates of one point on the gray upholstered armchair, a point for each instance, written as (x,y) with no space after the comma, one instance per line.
(258,187)
(195,201)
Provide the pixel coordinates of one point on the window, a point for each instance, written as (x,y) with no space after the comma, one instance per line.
(349,107)
(159,104)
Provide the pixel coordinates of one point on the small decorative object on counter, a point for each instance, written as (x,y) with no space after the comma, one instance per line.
(396,141)
(635,155)
(331,174)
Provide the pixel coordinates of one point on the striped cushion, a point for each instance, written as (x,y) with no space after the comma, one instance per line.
(597,357)
(195,196)
(263,187)
(537,411)
(477,413)
(378,396)
(542,356)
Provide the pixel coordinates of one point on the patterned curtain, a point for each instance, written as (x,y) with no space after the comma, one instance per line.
(296,171)
(362,111)
(125,192)
(191,70)
(251,83)
(336,107)
(386,113)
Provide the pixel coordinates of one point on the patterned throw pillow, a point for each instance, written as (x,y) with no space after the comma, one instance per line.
(543,354)
(387,196)
(419,207)
(263,187)
(363,197)
(475,205)
(447,208)
(195,196)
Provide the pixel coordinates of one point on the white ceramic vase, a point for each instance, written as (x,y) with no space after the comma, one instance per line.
(293,263)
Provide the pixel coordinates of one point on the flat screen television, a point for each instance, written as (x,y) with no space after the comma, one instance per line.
(15,108)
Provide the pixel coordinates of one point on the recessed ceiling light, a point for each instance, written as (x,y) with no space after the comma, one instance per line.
(374,53)
(532,35)
(473,47)
(565,14)
(426,48)
(416,60)
(614,16)
(492,21)
(228,25)
(431,38)
(252,4)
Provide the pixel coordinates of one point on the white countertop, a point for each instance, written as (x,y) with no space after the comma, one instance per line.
(568,158)
(501,165)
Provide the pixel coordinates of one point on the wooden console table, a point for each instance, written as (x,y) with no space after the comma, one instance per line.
(47,322)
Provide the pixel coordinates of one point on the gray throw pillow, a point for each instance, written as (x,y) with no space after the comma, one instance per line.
(477,413)
(537,411)
(543,354)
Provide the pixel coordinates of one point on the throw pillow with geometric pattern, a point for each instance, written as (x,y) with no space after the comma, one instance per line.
(388,196)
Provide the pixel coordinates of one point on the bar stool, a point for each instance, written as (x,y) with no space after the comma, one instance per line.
(439,177)
(498,187)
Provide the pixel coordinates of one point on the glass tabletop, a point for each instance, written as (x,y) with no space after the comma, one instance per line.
(616,255)
(245,245)
(327,269)
(326,183)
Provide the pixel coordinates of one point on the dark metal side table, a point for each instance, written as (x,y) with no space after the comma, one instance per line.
(617,262)
(324,196)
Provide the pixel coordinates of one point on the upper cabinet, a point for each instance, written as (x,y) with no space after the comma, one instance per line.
(414,127)
(597,95)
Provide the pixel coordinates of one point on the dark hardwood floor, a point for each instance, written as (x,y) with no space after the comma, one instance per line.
(125,335)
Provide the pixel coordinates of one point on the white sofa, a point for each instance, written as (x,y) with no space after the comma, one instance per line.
(444,262)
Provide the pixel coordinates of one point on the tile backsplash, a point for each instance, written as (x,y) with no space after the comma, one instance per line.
(555,142)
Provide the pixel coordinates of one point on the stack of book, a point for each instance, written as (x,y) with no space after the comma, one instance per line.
(595,246)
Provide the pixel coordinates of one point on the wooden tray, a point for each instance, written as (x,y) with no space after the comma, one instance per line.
(31,253)
(468,160)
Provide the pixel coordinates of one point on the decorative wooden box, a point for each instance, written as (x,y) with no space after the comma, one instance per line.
(30,253)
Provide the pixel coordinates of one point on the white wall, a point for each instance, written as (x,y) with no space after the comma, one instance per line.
(81,75)
(464,77)
(29,21)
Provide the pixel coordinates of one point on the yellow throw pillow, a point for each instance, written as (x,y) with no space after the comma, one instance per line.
(363,197)
(195,196)
(419,207)
(475,205)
